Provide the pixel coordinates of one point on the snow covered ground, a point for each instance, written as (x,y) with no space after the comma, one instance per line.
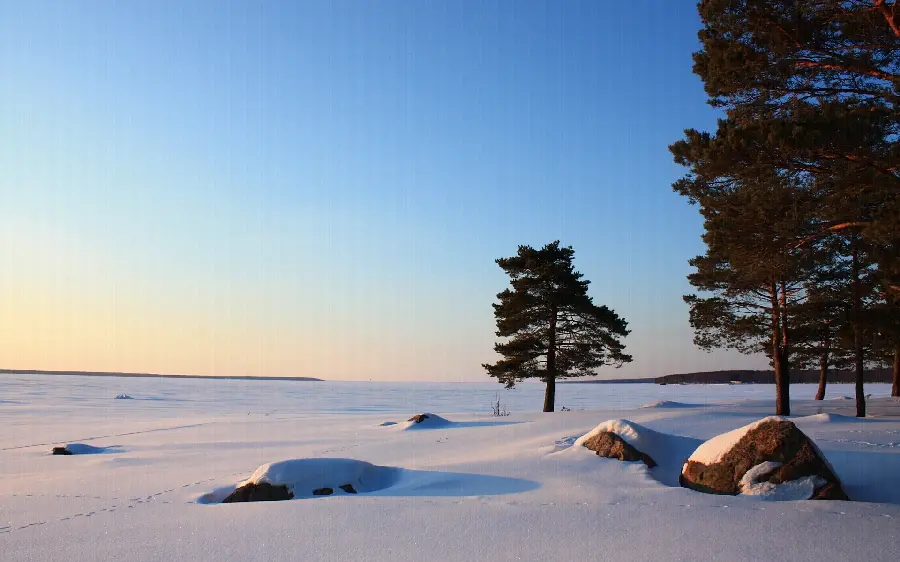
(475,488)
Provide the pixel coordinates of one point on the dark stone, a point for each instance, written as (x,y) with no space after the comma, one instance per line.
(610,445)
(347,488)
(323,492)
(259,493)
(775,440)
(418,418)
(61,451)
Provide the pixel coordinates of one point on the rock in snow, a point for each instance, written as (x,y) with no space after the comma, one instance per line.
(610,445)
(262,492)
(306,478)
(426,421)
(771,458)
(621,439)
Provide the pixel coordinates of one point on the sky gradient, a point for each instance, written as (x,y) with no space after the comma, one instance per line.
(308,188)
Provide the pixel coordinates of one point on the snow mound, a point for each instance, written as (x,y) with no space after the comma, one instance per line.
(842,398)
(668,451)
(827,418)
(305,478)
(668,404)
(83,449)
(426,421)
(713,450)
(386,424)
(314,477)
(795,490)
(123,397)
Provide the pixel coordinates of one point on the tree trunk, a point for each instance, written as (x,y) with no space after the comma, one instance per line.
(785,354)
(550,393)
(782,400)
(895,375)
(859,360)
(823,374)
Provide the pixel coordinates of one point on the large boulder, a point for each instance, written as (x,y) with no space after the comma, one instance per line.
(771,458)
(612,446)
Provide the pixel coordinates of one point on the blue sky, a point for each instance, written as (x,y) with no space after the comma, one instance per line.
(321,188)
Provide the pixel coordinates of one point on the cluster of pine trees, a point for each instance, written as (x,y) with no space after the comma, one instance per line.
(799,186)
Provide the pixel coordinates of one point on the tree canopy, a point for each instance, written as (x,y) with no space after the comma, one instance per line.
(551,327)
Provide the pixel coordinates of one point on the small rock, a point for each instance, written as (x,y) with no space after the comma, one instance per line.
(347,488)
(418,418)
(323,492)
(61,451)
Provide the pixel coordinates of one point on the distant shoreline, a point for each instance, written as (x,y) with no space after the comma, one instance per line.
(153,375)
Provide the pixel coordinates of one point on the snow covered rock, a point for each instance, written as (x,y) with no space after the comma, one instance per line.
(770,458)
(82,449)
(615,439)
(426,421)
(123,397)
(307,478)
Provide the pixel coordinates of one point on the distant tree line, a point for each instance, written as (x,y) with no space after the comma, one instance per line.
(799,186)
(807,376)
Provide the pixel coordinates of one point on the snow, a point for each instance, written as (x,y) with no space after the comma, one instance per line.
(477,488)
(84,449)
(668,404)
(430,421)
(800,489)
(302,476)
(713,450)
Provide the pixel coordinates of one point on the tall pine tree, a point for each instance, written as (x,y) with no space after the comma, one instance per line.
(810,89)
(551,327)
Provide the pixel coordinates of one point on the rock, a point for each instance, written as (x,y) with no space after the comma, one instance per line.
(347,488)
(323,492)
(259,493)
(61,451)
(124,397)
(787,452)
(608,444)
(418,418)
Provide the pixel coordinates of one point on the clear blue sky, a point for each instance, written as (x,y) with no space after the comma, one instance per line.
(321,187)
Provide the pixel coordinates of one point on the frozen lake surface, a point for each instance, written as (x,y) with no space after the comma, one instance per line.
(161,395)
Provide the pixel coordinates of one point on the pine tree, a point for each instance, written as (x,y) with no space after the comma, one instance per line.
(552,328)
(811,90)
(823,320)
(753,278)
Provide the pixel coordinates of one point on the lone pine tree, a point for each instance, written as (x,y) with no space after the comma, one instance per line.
(552,328)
